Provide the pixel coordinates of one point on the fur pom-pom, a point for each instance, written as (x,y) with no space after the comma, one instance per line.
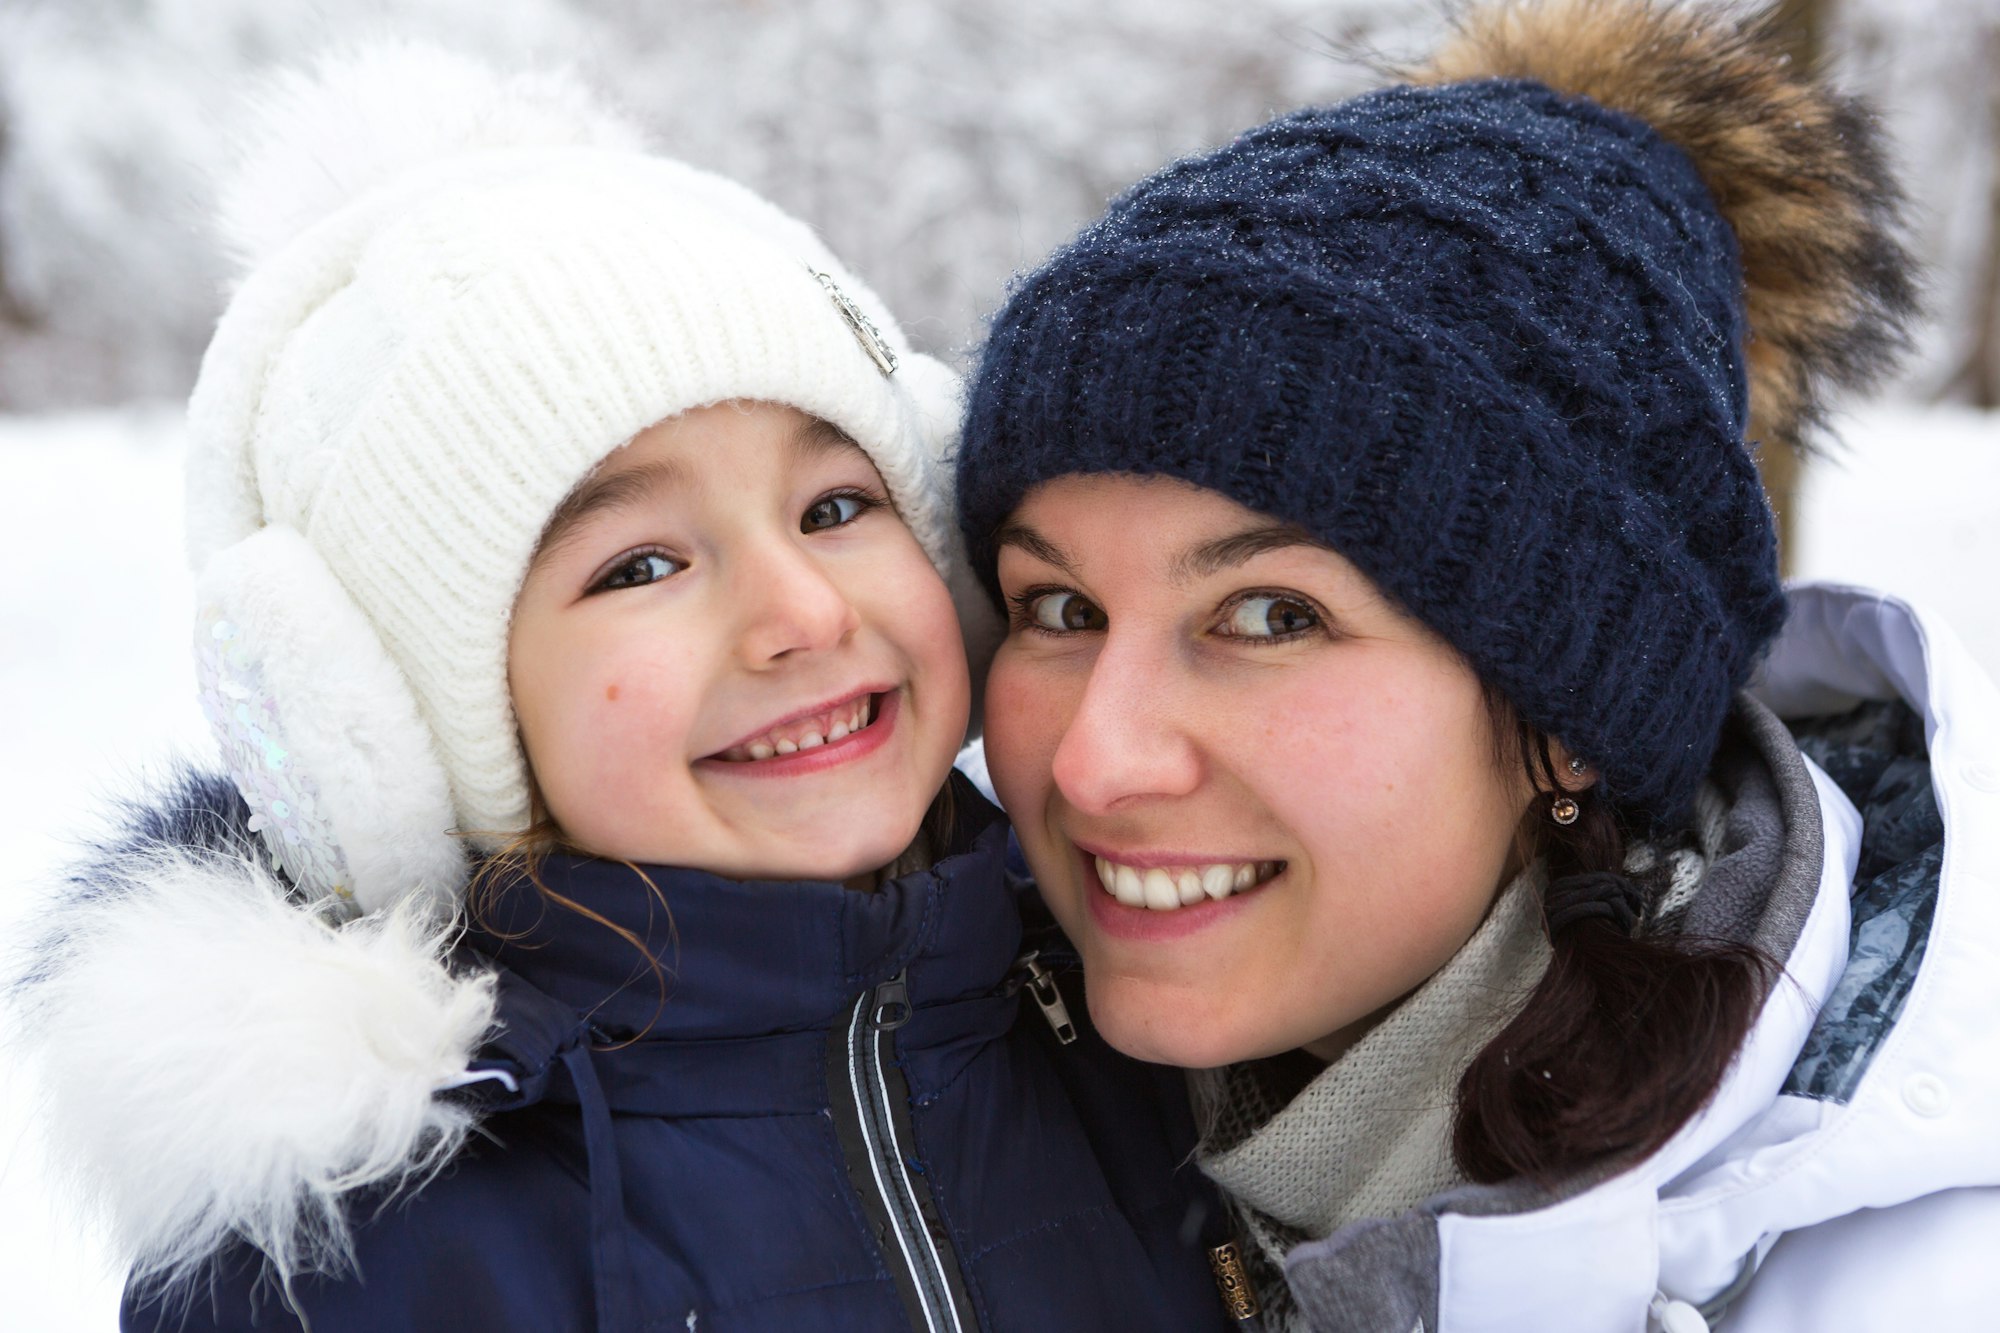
(1798,171)
(322,136)
(214,1061)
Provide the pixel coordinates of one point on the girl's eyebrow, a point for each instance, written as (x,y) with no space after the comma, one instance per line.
(816,436)
(622,489)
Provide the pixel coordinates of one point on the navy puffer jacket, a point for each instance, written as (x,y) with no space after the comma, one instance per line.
(844,1110)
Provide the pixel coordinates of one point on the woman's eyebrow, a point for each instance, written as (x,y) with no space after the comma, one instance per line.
(1024,538)
(622,489)
(1220,553)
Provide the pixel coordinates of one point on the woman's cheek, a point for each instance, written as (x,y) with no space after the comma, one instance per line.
(1021,731)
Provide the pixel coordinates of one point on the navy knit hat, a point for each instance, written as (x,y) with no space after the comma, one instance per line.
(1488,339)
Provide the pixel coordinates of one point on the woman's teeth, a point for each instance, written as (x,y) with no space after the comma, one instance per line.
(1163,890)
(806,733)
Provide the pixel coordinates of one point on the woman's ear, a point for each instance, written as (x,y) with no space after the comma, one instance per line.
(1572,772)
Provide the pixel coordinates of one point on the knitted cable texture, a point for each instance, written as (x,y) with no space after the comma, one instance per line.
(1485,340)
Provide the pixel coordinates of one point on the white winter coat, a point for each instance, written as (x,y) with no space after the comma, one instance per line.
(1773,1211)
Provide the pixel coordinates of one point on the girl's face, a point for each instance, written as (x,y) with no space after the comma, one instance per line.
(1263,801)
(731,654)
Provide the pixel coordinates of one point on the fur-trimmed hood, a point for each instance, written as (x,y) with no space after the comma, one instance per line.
(215,1059)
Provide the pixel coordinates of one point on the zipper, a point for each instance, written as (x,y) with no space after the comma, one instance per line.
(871,1115)
(1048,998)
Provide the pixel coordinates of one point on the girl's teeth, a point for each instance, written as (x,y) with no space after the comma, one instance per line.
(858,715)
(1163,890)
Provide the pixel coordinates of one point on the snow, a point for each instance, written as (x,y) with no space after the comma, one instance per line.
(94,664)
(94,623)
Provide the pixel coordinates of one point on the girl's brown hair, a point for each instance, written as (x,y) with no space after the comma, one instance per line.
(1626,1036)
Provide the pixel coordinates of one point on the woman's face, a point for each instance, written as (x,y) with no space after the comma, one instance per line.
(1263,801)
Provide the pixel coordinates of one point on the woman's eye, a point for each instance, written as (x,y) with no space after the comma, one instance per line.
(640,570)
(832,511)
(1269,616)
(1062,612)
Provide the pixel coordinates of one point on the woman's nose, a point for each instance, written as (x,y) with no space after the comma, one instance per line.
(788,604)
(1132,735)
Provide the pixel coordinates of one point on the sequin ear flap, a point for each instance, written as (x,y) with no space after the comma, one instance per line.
(321,731)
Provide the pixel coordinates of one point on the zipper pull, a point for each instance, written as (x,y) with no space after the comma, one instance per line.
(890,1008)
(1042,985)
(1232,1281)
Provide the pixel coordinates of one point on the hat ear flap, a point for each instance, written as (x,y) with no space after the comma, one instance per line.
(321,731)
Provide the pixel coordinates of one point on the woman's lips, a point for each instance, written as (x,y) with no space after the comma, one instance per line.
(881,713)
(1141,897)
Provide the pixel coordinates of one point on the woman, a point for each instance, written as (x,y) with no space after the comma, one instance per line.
(1375,504)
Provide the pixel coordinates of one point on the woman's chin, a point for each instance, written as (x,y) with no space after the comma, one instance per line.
(1167,1026)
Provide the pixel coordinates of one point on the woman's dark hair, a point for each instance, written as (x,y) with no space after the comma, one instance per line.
(1625,1037)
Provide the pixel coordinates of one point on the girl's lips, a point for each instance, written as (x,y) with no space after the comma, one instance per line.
(1143,925)
(801,763)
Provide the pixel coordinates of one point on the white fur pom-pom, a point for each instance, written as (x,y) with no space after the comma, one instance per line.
(215,1061)
(319,137)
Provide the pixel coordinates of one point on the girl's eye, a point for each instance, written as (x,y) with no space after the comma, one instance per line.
(833,510)
(638,570)
(1060,612)
(1269,616)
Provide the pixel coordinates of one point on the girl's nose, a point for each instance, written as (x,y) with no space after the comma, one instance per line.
(790,604)
(1132,735)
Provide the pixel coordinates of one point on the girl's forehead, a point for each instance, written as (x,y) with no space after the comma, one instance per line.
(681,452)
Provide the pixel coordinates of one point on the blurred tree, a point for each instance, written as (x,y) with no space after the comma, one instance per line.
(1979,377)
(14,318)
(940,145)
(1801,24)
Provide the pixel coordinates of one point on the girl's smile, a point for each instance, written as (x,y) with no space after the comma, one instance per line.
(813,741)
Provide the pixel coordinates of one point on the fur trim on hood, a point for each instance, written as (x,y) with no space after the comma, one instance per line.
(215,1060)
(1828,284)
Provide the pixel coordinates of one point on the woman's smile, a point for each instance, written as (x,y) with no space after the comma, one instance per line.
(1154,898)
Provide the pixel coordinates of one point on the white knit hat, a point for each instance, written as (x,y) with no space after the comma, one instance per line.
(463,291)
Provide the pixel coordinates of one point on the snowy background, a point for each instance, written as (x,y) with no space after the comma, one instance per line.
(939,145)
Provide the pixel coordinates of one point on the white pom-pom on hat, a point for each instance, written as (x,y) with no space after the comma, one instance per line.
(325,135)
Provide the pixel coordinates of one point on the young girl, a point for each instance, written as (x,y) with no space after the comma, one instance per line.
(1392,707)
(573,550)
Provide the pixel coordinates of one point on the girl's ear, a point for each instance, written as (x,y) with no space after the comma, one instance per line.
(321,732)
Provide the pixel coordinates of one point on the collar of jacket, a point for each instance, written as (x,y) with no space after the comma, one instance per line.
(1583,1254)
(752,973)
